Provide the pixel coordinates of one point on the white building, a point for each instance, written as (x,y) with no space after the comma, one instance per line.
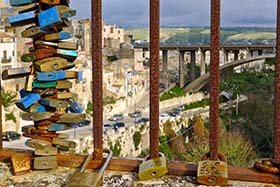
(8,48)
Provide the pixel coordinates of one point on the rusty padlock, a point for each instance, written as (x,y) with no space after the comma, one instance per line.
(152,168)
(212,172)
(89,179)
(21,163)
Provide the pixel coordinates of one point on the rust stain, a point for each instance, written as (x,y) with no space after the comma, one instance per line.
(276,135)
(214,78)
(97,92)
(154,77)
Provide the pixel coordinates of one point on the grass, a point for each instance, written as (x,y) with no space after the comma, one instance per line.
(176,91)
(252,36)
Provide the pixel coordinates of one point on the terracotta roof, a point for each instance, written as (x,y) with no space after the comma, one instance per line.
(6,35)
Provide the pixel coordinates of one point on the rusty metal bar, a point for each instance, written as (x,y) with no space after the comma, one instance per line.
(97,92)
(214,78)
(1,125)
(131,165)
(154,77)
(276,136)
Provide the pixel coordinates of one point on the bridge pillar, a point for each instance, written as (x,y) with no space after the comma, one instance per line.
(226,53)
(165,64)
(192,65)
(236,53)
(181,69)
(260,52)
(202,62)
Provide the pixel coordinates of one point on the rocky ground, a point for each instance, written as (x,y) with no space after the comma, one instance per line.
(58,178)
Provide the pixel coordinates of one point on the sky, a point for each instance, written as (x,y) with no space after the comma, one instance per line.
(135,13)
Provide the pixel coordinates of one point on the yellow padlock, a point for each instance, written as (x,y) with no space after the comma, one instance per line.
(153,168)
(212,172)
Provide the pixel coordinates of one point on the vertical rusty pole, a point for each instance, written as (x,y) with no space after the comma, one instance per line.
(154,78)
(97,92)
(214,78)
(276,136)
(1,125)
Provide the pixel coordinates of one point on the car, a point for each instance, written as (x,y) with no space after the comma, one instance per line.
(174,112)
(164,116)
(81,124)
(116,117)
(10,135)
(181,107)
(135,114)
(142,120)
(107,126)
(118,125)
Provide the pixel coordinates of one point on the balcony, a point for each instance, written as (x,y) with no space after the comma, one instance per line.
(6,61)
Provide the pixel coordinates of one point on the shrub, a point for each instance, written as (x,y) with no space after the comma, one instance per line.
(137,139)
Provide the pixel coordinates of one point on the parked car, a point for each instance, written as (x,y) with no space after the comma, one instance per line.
(116,117)
(181,107)
(174,112)
(81,124)
(164,116)
(135,114)
(118,124)
(142,120)
(107,126)
(10,135)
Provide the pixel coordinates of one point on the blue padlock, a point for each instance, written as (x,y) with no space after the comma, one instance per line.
(22,93)
(50,76)
(54,16)
(28,100)
(56,127)
(70,55)
(75,107)
(22,19)
(37,108)
(80,76)
(20,2)
(58,36)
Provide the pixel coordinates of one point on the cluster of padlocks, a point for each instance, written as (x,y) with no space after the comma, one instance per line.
(46,98)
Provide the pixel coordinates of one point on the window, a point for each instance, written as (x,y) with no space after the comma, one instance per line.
(13,53)
(112,30)
(4,54)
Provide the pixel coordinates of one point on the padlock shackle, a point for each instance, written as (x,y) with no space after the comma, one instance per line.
(160,154)
(86,162)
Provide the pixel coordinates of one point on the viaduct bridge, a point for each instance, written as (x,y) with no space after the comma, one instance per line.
(202,49)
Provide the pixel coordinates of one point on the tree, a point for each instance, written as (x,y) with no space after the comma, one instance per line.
(8,98)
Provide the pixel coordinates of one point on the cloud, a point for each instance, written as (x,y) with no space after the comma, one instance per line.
(183,12)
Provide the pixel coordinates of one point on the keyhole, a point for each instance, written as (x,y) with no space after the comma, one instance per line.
(154,173)
(55,66)
(212,179)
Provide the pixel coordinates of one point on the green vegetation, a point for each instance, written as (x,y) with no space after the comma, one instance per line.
(8,98)
(10,116)
(116,148)
(270,61)
(252,36)
(137,139)
(202,103)
(176,91)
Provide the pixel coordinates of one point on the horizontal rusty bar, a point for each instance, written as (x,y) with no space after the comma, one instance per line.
(174,167)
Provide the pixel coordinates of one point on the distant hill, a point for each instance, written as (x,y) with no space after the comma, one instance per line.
(201,35)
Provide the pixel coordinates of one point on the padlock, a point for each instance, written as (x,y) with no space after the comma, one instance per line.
(15,73)
(45,92)
(66,95)
(29,80)
(37,137)
(50,64)
(36,116)
(74,106)
(58,36)
(212,172)
(36,107)
(46,162)
(37,84)
(70,55)
(22,19)
(33,32)
(50,2)
(28,100)
(53,17)
(153,168)
(55,135)
(27,129)
(21,163)
(20,2)
(46,151)
(74,75)
(63,84)
(51,75)
(89,179)
(56,103)
(57,127)
(38,54)
(61,44)
(64,143)
(72,118)
(27,8)
(37,143)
